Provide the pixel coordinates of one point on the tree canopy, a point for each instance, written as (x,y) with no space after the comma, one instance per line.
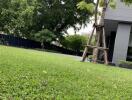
(27,17)
(74,42)
(127,1)
(16,16)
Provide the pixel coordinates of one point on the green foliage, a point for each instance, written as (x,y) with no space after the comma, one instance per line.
(125,64)
(16,17)
(127,1)
(101,3)
(45,36)
(91,7)
(86,6)
(25,17)
(29,74)
(90,57)
(74,42)
(59,15)
(112,4)
(3,41)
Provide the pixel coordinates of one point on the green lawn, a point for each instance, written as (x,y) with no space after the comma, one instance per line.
(29,74)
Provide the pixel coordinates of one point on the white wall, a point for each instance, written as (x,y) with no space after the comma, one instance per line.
(121,43)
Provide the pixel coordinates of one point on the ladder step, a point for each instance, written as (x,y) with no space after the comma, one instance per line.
(101,48)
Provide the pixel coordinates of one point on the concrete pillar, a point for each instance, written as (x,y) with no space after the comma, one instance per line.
(121,43)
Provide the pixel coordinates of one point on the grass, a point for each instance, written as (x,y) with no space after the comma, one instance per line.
(29,74)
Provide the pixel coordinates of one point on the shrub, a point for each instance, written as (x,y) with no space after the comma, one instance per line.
(125,64)
(90,58)
(74,42)
(3,41)
(44,35)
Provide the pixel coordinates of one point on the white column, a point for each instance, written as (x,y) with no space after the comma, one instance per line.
(121,43)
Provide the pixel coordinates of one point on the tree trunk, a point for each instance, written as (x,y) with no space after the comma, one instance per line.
(96,12)
(100,32)
(42,45)
(90,39)
(105,51)
(96,50)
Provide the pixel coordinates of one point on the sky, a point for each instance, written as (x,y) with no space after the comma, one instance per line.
(83,30)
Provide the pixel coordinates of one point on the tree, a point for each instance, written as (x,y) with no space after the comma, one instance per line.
(59,15)
(27,17)
(100,32)
(74,42)
(16,16)
(127,1)
(44,36)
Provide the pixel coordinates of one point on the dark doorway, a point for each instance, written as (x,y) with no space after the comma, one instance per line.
(111,44)
(129,54)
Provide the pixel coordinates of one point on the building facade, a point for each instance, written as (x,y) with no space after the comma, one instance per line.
(118,23)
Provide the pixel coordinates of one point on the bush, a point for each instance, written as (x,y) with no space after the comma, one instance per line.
(45,35)
(74,42)
(90,58)
(3,41)
(125,64)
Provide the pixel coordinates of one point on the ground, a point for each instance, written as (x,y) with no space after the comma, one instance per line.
(29,74)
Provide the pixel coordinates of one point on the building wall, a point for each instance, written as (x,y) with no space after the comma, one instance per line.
(121,43)
(122,12)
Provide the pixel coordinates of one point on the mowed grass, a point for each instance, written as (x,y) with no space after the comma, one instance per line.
(29,74)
